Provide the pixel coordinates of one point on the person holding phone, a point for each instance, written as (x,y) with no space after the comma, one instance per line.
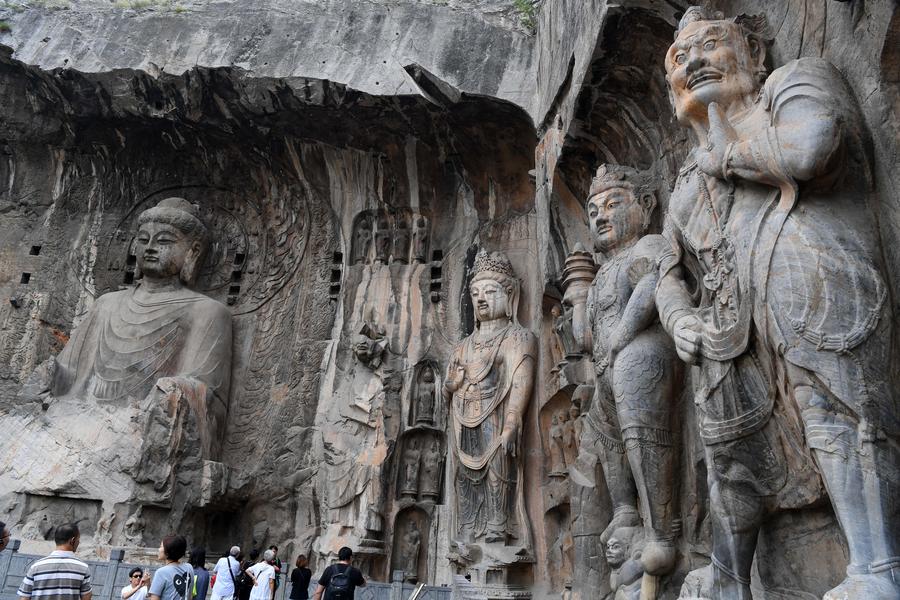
(138,585)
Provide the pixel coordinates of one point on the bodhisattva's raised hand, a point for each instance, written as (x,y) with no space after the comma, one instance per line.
(456,374)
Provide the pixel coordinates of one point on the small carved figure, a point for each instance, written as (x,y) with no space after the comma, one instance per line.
(410,483)
(771,216)
(570,438)
(420,240)
(635,363)
(425,397)
(134,527)
(383,240)
(410,544)
(103,534)
(393,388)
(362,241)
(402,234)
(577,425)
(562,325)
(557,451)
(560,554)
(488,386)
(557,352)
(431,472)
(623,555)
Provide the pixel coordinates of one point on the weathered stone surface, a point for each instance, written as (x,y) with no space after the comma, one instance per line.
(346,219)
(475,46)
(205,135)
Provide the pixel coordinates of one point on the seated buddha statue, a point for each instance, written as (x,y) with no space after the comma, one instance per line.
(137,398)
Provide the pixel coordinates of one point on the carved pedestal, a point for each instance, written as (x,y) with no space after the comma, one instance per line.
(496,576)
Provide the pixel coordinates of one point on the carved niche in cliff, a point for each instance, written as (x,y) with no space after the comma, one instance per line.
(412,533)
(425,408)
(396,236)
(420,465)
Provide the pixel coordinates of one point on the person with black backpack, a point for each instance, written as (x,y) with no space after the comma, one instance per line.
(340,580)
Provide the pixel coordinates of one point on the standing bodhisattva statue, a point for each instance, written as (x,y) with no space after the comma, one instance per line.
(786,313)
(636,368)
(489,385)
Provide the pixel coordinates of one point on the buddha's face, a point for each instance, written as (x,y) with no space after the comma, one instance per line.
(162,250)
(711,61)
(490,299)
(615,217)
(428,376)
(615,552)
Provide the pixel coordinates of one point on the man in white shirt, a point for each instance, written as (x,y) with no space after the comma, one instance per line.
(226,572)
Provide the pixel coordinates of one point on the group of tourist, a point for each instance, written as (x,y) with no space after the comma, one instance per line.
(63,576)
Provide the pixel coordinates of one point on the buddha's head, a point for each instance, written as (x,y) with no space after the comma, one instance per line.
(714,60)
(428,375)
(170,241)
(620,206)
(494,288)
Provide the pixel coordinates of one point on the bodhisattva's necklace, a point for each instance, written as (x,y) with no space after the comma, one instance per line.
(486,344)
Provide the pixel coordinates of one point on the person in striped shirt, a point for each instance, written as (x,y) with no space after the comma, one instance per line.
(59,576)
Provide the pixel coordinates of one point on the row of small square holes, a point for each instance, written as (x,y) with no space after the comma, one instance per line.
(26,277)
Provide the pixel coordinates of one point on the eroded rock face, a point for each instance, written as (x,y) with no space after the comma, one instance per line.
(366,404)
(274,193)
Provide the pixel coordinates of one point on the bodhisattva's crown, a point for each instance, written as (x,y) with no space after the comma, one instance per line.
(610,176)
(494,262)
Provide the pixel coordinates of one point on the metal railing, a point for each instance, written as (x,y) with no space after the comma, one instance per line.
(109,577)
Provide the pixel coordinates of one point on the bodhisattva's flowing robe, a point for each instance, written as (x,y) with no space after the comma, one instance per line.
(489,494)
